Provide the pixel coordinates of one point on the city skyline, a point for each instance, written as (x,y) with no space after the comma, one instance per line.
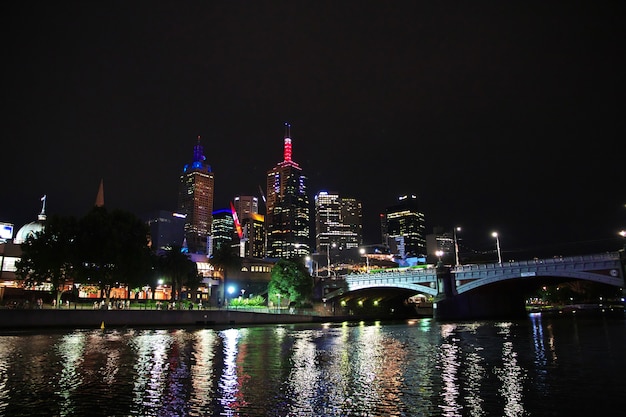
(499,117)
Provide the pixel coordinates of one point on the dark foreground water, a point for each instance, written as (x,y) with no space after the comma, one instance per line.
(542,366)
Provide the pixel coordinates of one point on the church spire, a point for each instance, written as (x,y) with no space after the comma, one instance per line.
(100,196)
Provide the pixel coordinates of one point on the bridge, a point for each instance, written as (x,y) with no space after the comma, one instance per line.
(481,290)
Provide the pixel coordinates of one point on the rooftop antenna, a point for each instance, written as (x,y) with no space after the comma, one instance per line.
(287,146)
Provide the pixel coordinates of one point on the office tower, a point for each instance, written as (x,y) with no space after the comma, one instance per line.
(195,200)
(337,222)
(223,230)
(352,218)
(252,225)
(254,236)
(288,214)
(406,228)
(167,230)
(246,205)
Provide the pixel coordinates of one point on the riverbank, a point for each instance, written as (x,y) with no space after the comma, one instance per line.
(68,318)
(24,319)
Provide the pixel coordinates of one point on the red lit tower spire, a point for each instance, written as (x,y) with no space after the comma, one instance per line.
(287,161)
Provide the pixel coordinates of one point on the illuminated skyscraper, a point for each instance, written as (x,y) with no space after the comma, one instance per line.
(195,199)
(252,226)
(288,211)
(223,230)
(337,221)
(406,228)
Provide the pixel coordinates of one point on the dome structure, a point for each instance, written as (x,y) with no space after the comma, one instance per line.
(29,229)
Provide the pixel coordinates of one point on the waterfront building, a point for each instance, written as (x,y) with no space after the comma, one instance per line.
(11,248)
(30,229)
(195,200)
(288,208)
(405,228)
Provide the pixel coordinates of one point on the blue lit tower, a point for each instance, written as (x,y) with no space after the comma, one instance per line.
(287,217)
(195,200)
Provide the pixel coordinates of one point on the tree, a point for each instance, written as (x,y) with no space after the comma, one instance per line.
(179,269)
(225,260)
(291,280)
(112,248)
(49,255)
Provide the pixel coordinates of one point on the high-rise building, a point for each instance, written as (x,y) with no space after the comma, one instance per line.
(288,208)
(254,236)
(223,230)
(337,222)
(167,230)
(246,205)
(252,226)
(406,228)
(352,218)
(195,200)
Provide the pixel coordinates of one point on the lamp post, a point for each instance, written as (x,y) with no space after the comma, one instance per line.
(231,291)
(367,260)
(328,264)
(456,246)
(495,234)
(439,254)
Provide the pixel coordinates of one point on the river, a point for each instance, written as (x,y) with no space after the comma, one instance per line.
(561,365)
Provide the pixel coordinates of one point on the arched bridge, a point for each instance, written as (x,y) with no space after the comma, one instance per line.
(445,282)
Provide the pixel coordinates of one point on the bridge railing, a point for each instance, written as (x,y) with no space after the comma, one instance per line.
(535,262)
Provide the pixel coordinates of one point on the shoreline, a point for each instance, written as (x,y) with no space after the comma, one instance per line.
(33,319)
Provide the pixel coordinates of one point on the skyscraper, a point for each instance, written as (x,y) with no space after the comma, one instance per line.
(167,229)
(337,221)
(252,225)
(406,228)
(288,209)
(222,230)
(195,199)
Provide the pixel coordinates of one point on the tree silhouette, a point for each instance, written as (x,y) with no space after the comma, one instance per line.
(112,248)
(224,259)
(179,269)
(48,256)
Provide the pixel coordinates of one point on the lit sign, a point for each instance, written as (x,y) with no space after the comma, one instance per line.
(6,231)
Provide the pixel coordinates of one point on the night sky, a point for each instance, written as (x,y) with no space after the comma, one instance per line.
(500,115)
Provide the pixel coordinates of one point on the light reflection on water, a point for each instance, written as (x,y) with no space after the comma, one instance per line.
(415,368)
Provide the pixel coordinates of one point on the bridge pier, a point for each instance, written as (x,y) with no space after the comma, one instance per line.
(482,304)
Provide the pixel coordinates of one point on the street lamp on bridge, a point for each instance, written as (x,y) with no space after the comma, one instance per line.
(439,254)
(495,234)
(367,259)
(456,245)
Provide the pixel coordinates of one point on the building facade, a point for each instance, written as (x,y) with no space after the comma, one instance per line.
(223,230)
(167,230)
(338,222)
(288,216)
(195,200)
(405,228)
